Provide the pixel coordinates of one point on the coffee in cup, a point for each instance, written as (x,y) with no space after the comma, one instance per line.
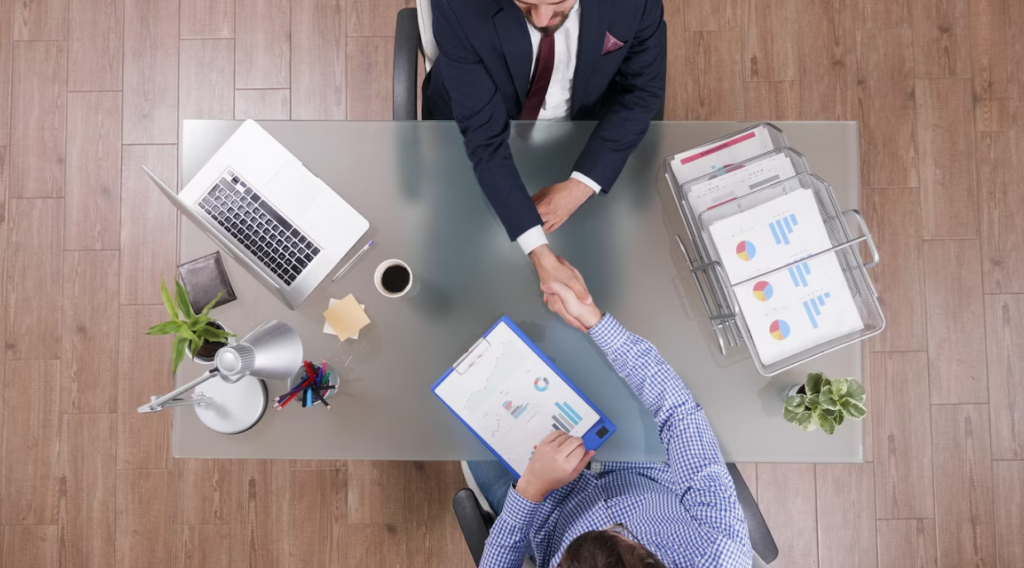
(393,278)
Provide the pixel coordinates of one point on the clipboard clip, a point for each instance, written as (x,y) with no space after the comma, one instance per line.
(470,358)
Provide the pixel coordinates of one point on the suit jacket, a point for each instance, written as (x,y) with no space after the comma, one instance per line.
(482,76)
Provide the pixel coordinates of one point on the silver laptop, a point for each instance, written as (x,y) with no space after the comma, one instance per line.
(259,203)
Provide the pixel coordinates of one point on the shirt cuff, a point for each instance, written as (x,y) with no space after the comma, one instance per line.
(589,182)
(519,509)
(608,333)
(532,239)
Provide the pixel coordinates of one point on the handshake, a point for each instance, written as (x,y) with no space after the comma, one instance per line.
(565,293)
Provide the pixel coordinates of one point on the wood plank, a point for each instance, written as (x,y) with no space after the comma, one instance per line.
(29,546)
(144,370)
(88,490)
(149,223)
(868,439)
(145,518)
(945,133)
(28,483)
(903,436)
(708,85)
(828,59)
(379,545)
(786,497)
(771,100)
(5,216)
(6,68)
(95,45)
(207,79)
(207,19)
(964,519)
(749,473)
(38,112)
(1000,167)
(204,547)
(370,64)
(318,61)
(846,540)
(262,104)
(376,492)
(33,329)
(319,534)
(888,142)
(1008,484)
(998,64)
(88,378)
(318,464)
(374,17)
(262,517)
(92,197)
(884,14)
(150,72)
(956,324)
(1004,324)
(41,19)
(942,38)
(675,75)
(770,40)
(262,48)
(432,537)
(207,489)
(894,217)
(711,15)
(907,544)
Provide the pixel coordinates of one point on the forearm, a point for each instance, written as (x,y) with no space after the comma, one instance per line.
(506,544)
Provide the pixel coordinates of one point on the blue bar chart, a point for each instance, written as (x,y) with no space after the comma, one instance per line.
(812,308)
(783,228)
(799,273)
(565,418)
(516,410)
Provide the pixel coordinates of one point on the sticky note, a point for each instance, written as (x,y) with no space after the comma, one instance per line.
(330,331)
(346,317)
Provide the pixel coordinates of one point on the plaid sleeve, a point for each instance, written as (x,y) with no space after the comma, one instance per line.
(506,545)
(696,470)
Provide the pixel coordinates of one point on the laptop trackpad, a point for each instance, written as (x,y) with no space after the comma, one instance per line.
(293,188)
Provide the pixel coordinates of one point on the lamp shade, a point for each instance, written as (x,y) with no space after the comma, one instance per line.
(273,352)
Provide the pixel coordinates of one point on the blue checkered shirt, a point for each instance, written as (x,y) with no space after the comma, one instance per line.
(685,511)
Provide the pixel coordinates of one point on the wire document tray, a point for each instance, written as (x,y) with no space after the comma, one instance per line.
(718,294)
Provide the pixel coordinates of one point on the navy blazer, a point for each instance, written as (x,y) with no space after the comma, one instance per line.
(482,77)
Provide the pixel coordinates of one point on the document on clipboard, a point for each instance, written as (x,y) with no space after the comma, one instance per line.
(511,396)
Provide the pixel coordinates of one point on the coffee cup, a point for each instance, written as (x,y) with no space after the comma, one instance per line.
(393,278)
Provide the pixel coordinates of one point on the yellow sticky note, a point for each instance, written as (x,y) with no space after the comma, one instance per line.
(346,317)
(327,327)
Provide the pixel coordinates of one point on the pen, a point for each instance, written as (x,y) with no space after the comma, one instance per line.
(349,264)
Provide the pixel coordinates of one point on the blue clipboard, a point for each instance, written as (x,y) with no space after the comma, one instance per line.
(592,439)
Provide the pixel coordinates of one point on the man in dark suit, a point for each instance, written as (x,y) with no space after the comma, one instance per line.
(502,60)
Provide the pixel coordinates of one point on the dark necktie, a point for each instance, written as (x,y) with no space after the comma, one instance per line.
(541,78)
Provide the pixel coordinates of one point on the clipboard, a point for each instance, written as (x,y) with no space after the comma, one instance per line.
(553,402)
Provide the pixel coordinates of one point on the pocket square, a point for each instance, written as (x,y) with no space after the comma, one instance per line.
(610,44)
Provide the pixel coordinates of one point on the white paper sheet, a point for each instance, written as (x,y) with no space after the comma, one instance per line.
(710,158)
(736,184)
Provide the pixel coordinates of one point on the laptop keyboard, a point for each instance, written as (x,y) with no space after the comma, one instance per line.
(256,225)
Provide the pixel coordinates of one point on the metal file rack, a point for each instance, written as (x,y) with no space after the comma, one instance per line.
(716,292)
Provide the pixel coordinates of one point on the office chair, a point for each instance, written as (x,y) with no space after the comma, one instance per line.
(407,53)
(476,523)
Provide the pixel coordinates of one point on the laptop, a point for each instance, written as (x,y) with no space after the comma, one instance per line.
(264,209)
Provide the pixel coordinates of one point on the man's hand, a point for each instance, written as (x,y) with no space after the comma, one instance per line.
(556,203)
(558,459)
(552,269)
(587,314)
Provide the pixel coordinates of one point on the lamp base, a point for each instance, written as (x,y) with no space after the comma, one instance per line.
(233,407)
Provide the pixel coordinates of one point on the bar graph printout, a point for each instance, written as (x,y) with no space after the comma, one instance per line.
(513,399)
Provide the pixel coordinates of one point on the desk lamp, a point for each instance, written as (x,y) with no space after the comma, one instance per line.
(231,398)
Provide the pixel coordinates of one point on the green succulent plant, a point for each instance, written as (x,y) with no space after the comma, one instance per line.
(827,403)
(188,327)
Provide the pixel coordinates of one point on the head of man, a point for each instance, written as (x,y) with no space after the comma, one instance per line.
(546,15)
(607,549)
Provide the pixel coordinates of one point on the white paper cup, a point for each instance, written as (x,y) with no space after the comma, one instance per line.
(379,274)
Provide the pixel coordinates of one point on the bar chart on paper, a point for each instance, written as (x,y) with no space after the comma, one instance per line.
(813,307)
(515,410)
(799,274)
(783,228)
(565,418)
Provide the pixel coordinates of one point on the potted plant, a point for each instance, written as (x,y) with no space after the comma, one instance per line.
(198,335)
(824,402)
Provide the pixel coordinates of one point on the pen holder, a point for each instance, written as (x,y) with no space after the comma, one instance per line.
(332,380)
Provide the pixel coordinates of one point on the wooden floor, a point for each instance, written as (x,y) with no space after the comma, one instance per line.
(92,89)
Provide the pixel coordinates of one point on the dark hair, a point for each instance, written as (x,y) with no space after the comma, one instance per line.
(604,549)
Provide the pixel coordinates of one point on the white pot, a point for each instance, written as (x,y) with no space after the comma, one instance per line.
(792,391)
(207,360)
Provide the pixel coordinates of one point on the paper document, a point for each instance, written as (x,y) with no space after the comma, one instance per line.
(738,183)
(790,311)
(346,317)
(330,331)
(710,158)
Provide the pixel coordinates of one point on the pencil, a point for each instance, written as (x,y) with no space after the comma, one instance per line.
(351,262)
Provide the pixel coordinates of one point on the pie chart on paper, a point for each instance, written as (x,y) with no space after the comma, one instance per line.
(746,250)
(779,329)
(763,291)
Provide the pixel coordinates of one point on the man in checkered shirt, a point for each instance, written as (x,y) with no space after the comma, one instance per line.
(681,513)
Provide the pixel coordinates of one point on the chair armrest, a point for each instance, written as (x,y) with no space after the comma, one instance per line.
(407,50)
(761,539)
(474,522)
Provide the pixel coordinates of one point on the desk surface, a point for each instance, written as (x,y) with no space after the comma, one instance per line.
(414,184)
